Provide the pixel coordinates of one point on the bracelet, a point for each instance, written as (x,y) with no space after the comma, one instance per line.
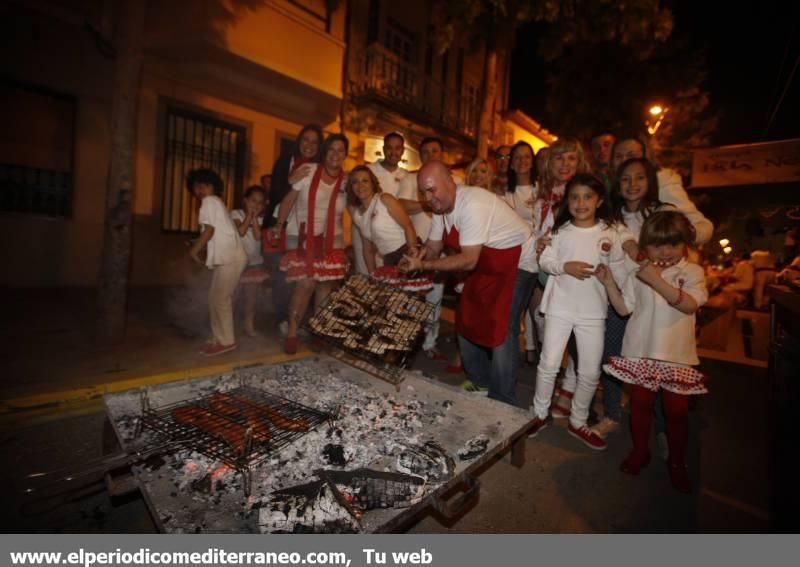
(677,301)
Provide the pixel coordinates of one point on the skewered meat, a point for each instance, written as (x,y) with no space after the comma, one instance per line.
(230,432)
(270,413)
(233,408)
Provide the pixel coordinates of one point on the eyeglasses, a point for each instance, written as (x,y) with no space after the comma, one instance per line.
(498,156)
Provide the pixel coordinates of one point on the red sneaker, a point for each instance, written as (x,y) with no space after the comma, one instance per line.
(587,437)
(634,463)
(214,350)
(454,369)
(537,425)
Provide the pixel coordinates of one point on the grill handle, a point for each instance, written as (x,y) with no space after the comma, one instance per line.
(454,508)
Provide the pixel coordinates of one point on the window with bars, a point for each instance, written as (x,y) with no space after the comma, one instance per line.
(36,150)
(195,141)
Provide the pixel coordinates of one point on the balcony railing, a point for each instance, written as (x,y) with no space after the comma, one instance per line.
(384,74)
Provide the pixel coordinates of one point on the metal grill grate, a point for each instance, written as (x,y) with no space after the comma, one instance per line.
(240,427)
(373,323)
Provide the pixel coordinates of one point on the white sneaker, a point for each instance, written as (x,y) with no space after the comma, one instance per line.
(663,446)
(605,427)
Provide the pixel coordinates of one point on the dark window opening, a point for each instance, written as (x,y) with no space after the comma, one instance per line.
(195,141)
(36,150)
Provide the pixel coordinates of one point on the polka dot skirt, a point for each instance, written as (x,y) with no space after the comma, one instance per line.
(656,374)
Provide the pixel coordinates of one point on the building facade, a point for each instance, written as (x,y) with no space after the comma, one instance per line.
(225,83)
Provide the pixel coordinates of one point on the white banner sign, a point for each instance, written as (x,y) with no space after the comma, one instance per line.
(749,164)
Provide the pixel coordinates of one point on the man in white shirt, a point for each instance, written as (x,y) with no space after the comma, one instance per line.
(431,149)
(390,175)
(497,247)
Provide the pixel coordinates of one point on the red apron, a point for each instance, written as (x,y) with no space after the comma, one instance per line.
(485,304)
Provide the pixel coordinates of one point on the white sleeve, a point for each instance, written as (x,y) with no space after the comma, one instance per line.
(616,260)
(476,221)
(304,183)
(549,260)
(437,228)
(695,284)
(210,210)
(628,290)
(671,191)
(238,214)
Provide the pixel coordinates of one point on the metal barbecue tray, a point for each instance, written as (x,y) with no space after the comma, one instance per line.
(362,415)
(373,326)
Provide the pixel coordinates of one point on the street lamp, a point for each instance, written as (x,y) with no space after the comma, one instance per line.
(657,112)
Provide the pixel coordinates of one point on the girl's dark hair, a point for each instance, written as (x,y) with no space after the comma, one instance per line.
(205,177)
(603,212)
(352,200)
(335,138)
(650,200)
(255,189)
(512,175)
(320,136)
(666,227)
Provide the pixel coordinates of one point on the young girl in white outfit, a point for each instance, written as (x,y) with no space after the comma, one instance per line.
(574,301)
(659,350)
(248,222)
(225,255)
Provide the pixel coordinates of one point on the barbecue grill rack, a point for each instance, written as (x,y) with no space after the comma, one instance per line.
(373,326)
(241,427)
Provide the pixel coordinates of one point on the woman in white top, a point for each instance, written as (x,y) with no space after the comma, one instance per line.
(312,213)
(659,349)
(383,226)
(563,160)
(521,194)
(248,222)
(670,185)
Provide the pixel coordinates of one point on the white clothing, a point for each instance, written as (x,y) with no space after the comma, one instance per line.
(389,180)
(671,191)
(390,184)
(225,244)
(656,329)
(378,226)
(567,296)
(481,218)
(251,246)
(589,336)
(519,201)
(299,214)
(224,282)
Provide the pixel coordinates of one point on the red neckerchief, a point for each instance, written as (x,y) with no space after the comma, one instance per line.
(548,200)
(312,199)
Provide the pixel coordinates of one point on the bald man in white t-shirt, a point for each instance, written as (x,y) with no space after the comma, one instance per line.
(497,248)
